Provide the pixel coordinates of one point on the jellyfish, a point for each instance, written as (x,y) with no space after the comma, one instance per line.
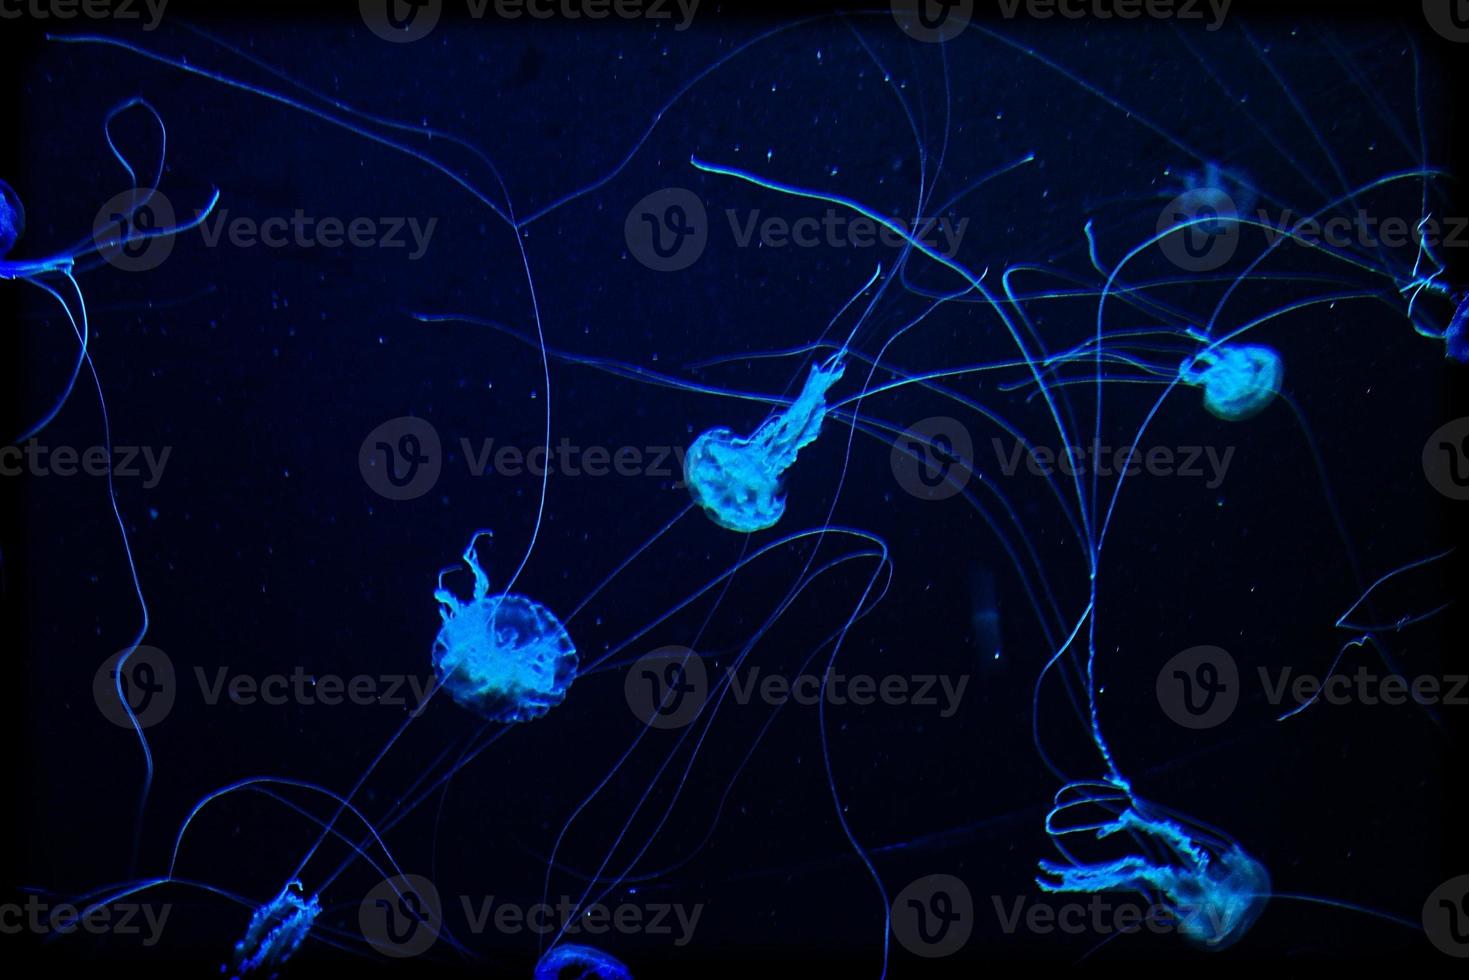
(503,656)
(1238,381)
(12,218)
(276,931)
(1456,337)
(496,651)
(737,480)
(1213,890)
(569,962)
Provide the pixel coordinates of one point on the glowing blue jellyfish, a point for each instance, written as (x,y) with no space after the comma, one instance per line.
(737,480)
(1454,336)
(276,931)
(503,656)
(580,963)
(12,218)
(1238,382)
(1211,887)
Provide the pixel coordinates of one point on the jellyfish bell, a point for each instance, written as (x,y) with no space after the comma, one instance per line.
(1211,890)
(571,962)
(503,656)
(1238,381)
(737,480)
(12,218)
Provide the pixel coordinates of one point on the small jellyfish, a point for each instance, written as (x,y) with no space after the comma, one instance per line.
(580,963)
(12,218)
(737,480)
(1213,890)
(276,931)
(1238,382)
(503,656)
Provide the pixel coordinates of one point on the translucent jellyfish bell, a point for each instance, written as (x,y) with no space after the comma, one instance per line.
(737,480)
(580,963)
(1238,382)
(504,656)
(12,218)
(1456,336)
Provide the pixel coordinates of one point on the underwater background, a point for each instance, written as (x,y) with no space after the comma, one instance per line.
(304,432)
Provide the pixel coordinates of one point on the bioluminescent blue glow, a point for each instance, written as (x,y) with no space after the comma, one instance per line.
(276,931)
(1213,890)
(1238,381)
(12,218)
(502,656)
(983,501)
(737,479)
(569,962)
(1456,337)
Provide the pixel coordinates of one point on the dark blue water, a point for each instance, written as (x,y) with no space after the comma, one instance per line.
(501,289)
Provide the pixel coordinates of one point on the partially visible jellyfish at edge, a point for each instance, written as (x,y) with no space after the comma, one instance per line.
(502,656)
(737,480)
(570,962)
(1238,381)
(1454,337)
(12,218)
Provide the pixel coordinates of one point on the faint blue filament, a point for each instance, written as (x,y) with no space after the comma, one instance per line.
(1238,382)
(580,963)
(504,656)
(276,931)
(737,480)
(1211,887)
